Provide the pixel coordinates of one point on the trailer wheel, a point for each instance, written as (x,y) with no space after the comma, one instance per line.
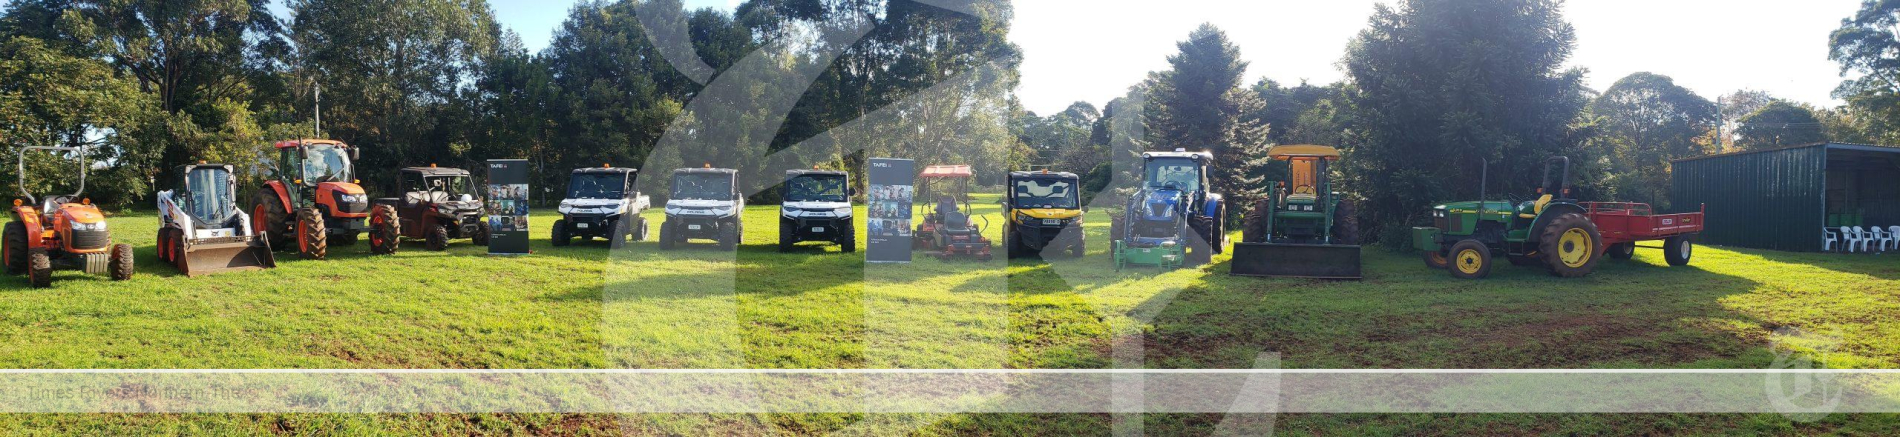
(39,268)
(385,230)
(1571,246)
(1470,259)
(438,238)
(312,239)
(15,248)
(1436,260)
(1622,251)
(121,262)
(1678,250)
(560,237)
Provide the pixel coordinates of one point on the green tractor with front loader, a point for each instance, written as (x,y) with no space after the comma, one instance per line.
(1304,229)
(1551,231)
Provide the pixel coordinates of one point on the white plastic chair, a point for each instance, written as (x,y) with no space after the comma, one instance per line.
(1829,239)
(1894,233)
(1878,239)
(1852,239)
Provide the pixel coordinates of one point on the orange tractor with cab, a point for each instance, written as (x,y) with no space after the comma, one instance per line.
(313,200)
(64,232)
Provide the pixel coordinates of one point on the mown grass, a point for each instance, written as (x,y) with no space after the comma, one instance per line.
(584,307)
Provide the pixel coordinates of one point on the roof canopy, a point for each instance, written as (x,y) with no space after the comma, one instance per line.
(947,171)
(1285,153)
(1042,174)
(303,142)
(437,171)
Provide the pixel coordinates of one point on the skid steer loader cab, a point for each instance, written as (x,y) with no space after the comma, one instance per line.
(1040,206)
(705,204)
(817,207)
(602,202)
(202,229)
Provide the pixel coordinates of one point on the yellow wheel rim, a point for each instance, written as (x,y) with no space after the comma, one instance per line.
(1575,248)
(1470,261)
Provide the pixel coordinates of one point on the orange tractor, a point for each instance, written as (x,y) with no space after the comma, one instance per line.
(314,200)
(65,232)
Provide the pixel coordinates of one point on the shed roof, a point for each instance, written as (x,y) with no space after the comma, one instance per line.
(1829,146)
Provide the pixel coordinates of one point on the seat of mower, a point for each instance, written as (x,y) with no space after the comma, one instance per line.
(955,223)
(414,197)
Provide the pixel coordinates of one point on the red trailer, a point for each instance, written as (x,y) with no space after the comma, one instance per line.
(1624,224)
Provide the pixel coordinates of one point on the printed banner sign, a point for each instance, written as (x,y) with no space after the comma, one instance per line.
(508,207)
(892,183)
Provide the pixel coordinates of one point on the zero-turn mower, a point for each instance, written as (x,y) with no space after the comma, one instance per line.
(947,231)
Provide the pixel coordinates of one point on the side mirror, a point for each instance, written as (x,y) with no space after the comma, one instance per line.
(356,153)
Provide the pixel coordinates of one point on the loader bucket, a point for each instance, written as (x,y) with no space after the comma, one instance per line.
(204,258)
(1312,261)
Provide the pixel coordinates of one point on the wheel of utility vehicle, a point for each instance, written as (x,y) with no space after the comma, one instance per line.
(729,237)
(14,249)
(312,239)
(1571,246)
(667,236)
(849,241)
(617,237)
(784,236)
(640,229)
(560,234)
(120,264)
(481,235)
(385,230)
(1012,244)
(1678,250)
(1436,260)
(268,218)
(39,268)
(1622,251)
(437,238)
(1470,259)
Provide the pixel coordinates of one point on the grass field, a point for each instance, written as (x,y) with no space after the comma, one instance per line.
(584,307)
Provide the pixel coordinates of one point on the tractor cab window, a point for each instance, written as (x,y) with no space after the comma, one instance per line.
(596,186)
(208,195)
(816,188)
(702,187)
(1179,173)
(1046,194)
(325,163)
(1305,176)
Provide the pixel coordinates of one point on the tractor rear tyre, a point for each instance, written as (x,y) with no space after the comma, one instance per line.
(437,238)
(1217,227)
(120,264)
(268,218)
(1678,250)
(1622,251)
(1436,260)
(385,230)
(666,235)
(561,239)
(1470,259)
(39,268)
(1571,246)
(313,241)
(849,243)
(15,248)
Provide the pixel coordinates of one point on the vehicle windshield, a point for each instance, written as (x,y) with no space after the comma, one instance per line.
(1046,193)
(325,163)
(702,187)
(816,188)
(1180,173)
(208,195)
(596,186)
(455,186)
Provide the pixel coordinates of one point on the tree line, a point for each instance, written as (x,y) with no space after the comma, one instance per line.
(1433,90)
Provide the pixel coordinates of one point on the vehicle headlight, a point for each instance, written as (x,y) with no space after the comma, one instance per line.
(100,226)
(353,198)
(843,212)
(721,212)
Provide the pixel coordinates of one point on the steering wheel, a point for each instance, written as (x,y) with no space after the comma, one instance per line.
(59,200)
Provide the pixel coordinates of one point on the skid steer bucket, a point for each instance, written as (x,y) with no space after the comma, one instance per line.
(217,255)
(1312,261)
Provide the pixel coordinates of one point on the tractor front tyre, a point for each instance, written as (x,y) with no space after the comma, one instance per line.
(313,240)
(437,239)
(385,231)
(268,218)
(1678,250)
(1470,259)
(1571,246)
(14,248)
(1622,251)
(561,239)
(39,268)
(1255,229)
(1217,229)
(120,265)
(1436,260)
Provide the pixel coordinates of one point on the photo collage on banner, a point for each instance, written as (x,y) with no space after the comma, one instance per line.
(508,207)
(889,201)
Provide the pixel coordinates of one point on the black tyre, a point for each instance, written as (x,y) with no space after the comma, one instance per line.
(849,241)
(1346,223)
(437,238)
(1571,246)
(1678,251)
(1217,229)
(1256,227)
(385,230)
(639,230)
(729,237)
(313,240)
(120,265)
(1436,260)
(269,218)
(1012,244)
(39,268)
(177,249)
(617,237)
(667,237)
(784,236)
(481,235)
(1622,251)
(560,237)
(1470,259)
(14,248)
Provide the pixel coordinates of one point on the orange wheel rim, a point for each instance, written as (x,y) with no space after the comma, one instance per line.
(303,236)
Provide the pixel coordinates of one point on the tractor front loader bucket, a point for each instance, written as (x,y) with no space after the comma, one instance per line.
(1312,261)
(208,256)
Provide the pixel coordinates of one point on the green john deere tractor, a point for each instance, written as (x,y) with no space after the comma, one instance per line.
(1305,229)
(1551,231)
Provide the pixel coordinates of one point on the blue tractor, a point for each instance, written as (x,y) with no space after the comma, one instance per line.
(1172,221)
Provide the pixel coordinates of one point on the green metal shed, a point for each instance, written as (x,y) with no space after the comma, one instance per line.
(1782,199)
